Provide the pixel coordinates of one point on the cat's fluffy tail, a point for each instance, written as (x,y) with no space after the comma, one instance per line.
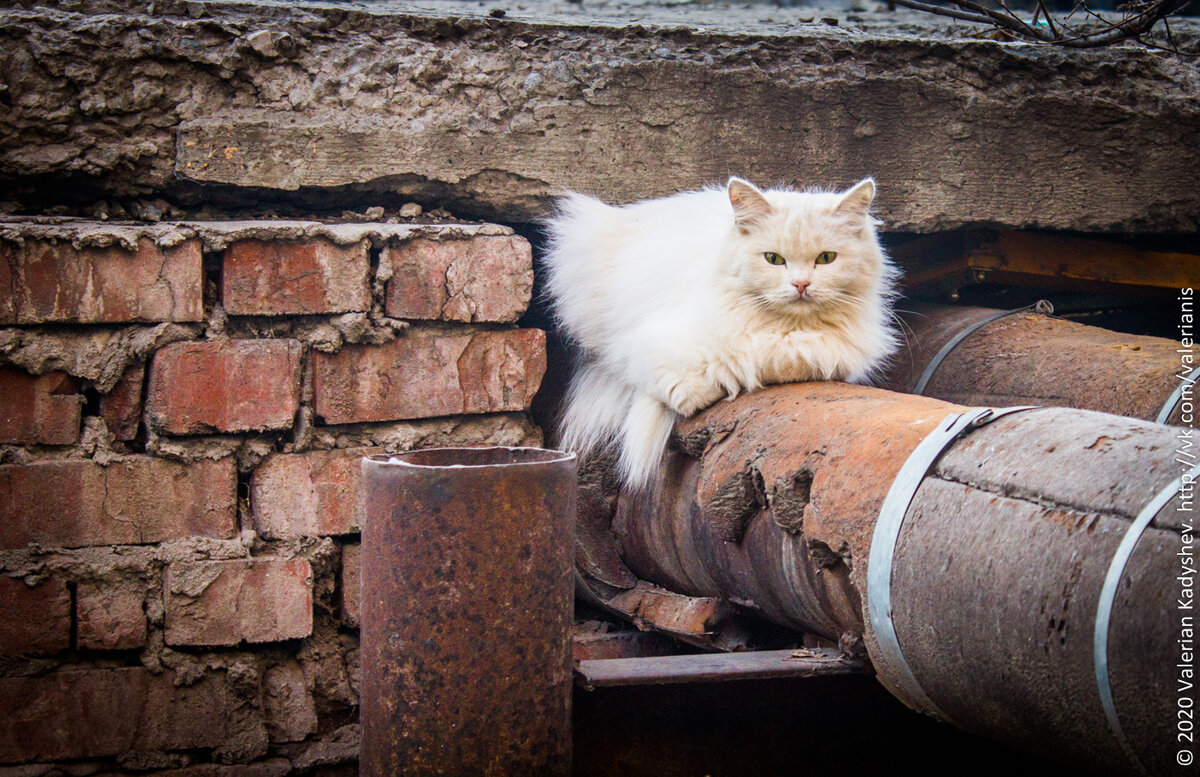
(575,233)
(601,411)
(644,436)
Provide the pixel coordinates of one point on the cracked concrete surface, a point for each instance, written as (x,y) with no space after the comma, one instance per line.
(321,106)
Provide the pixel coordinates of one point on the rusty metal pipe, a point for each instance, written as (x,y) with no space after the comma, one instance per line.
(467,591)
(771,501)
(1030,358)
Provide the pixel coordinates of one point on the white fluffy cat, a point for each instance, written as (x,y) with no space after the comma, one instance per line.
(677,302)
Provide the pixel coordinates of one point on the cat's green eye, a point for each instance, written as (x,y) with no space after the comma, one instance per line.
(825,257)
(774,258)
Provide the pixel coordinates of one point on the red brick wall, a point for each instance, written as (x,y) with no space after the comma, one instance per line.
(182,413)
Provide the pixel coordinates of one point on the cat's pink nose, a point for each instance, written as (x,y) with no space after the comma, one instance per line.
(801,286)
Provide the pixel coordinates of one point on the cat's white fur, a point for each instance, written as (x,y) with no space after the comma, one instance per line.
(675,305)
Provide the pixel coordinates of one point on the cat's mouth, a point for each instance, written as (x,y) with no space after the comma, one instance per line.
(798,304)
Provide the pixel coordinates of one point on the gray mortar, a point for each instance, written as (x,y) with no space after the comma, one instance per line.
(506,429)
(34,563)
(250,450)
(320,106)
(217,235)
(97,353)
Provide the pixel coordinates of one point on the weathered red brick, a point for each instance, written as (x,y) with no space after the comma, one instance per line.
(224,386)
(487,278)
(291,714)
(313,276)
(308,494)
(352,584)
(55,281)
(135,499)
(422,376)
(105,712)
(226,602)
(121,408)
(34,621)
(110,615)
(42,409)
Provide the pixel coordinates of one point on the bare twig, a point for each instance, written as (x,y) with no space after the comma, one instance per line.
(1139,18)
(1004,19)
(1174,47)
(942,10)
(1031,31)
(1046,14)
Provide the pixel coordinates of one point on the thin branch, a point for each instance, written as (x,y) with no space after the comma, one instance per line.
(1049,19)
(1128,27)
(1000,19)
(1033,33)
(942,10)
(1139,19)
(1174,47)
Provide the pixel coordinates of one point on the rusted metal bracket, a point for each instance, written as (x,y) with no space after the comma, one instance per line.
(1041,306)
(887,532)
(1108,594)
(717,667)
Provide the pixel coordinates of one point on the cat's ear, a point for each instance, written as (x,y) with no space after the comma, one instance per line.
(857,201)
(749,204)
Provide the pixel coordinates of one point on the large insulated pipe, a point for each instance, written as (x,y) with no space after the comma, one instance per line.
(982,356)
(467,590)
(1005,596)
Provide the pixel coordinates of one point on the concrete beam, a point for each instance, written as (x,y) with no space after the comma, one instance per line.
(330,106)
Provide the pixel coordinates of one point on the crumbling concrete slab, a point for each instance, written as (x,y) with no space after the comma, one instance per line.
(330,105)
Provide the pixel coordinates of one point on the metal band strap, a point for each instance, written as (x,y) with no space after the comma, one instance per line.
(1041,306)
(1176,395)
(887,533)
(1108,595)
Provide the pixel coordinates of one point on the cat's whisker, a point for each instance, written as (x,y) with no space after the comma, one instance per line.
(845,293)
(753,303)
(905,330)
(844,296)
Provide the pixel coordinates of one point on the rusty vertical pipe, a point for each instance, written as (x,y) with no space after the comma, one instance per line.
(467,592)
(1030,358)
(999,568)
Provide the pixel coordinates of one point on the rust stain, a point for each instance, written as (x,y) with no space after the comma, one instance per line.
(466,563)
(1034,359)
(741,518)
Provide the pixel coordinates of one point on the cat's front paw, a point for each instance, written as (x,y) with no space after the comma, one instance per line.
(687,394)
